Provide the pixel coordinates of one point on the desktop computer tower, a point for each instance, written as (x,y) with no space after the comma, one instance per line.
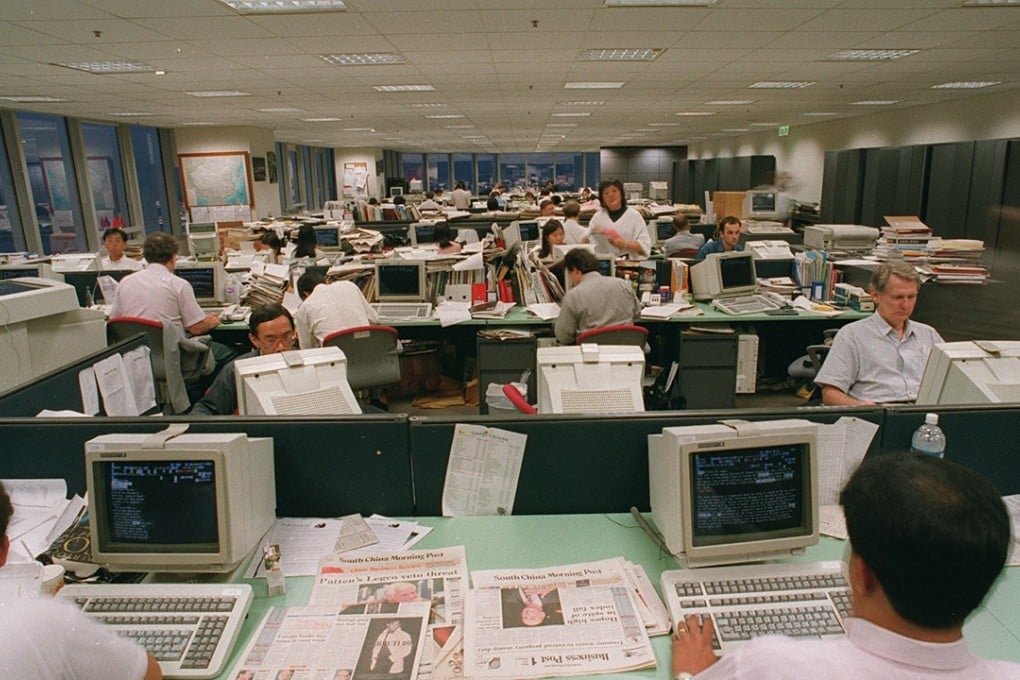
(747,364)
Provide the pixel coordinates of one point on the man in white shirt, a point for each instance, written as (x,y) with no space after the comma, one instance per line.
(115,242)
(928,539)
(461,197)
(573,232)
(328,308)
(429,204)
(51,638)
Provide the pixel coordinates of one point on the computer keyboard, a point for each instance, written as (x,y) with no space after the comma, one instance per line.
(190,628)
(402,311)
(808,599)
(744,304)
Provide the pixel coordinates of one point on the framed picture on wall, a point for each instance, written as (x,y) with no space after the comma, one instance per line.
(258,168)
(271,166)
(217,178)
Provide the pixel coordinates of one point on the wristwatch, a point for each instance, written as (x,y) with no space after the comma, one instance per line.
(683,675)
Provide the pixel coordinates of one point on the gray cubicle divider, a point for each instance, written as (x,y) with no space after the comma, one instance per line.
(579,464)
(324,468)
(58,390)
(982,438)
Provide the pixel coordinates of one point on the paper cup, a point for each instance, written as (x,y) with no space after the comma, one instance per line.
(53,579)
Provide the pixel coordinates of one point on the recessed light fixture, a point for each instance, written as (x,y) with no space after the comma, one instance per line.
(130,114)
(443,116)
(659,3)
(593,85)
(32,99)
(819,114)
(285,6)
(695,113)
(281,109)
(781,84)
(990,3)
(322,119)
(109,67)
(562,125)
(428,105)
(729,102)
(875,102)
(644,131)
(369,130)
(765,124)
(663,124)
(458,127)
(582,102)
(403,88)
(736,130)
(218,93)
(363,59)
(579,114)
(621,54)
(967,85)
(869,55)
(197,123)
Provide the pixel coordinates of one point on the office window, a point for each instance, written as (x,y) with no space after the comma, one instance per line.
(569,170)
(540,169)
(293,190)
(463,171)
(438,171)
(591,169)
(512,170)
(52,182)
(148,157)
(413,169)
(486,165)
(105,175)
(12,236)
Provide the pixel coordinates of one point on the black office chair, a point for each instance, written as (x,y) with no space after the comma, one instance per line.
(804,368)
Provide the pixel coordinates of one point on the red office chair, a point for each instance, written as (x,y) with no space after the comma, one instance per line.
(511,392)
(372,355)
(686,253)
(176,359)
(615,335)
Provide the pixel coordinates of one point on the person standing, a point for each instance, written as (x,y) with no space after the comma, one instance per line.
(616,228)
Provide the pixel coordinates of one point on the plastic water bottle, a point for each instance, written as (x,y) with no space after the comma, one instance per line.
(929,438)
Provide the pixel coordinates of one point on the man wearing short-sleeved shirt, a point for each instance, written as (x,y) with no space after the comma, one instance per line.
(880,359)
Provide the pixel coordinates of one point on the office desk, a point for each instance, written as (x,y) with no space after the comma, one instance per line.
(543,540)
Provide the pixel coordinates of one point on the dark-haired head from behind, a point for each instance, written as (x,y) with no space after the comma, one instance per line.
(267,312)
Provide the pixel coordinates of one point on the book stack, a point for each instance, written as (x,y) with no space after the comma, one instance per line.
(265,288)
(905,238)
(361,275)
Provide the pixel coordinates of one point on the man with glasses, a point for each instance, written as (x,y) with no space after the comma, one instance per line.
(271,330)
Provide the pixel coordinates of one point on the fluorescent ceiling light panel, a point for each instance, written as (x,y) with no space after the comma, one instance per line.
(199,123)
(109,67)
(966,85)
(285,6)
(594,85)
(403,88)
(663,124)
(363,59)
(218,93)
(736,130)
(990,3)
(875,102)
(322,119)
(579,114)
(692,114)
(281,109)
(729,102)
(582,102)
(781,84)
(32,99)
(870,55)
(458,127)
(659,3)
(428,105)
(562,125)
(819,114)
(359,129)
(443,116)
(621,54)
(130,114)
(765,124)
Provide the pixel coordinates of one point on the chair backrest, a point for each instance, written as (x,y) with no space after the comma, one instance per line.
(615,335)
(371,351)
(124,327)
(511,392)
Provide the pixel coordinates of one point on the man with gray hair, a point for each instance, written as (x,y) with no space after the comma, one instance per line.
(880,359)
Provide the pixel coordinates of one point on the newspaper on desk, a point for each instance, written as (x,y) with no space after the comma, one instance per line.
(384,584)
(571,620)
(328,643)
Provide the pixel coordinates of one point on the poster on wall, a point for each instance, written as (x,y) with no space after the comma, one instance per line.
(355,180)
(271,166)
(258,168)
(219,178)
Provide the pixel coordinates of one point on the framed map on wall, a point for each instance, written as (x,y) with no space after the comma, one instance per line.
(217,178)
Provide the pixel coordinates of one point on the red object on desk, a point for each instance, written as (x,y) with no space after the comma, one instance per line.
(479,293)
(506,293)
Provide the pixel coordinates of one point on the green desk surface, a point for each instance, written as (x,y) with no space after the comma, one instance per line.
(547,540)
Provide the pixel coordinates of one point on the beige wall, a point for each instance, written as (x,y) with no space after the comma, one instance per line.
(802,153)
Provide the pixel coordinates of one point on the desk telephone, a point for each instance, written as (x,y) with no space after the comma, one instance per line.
(234,313)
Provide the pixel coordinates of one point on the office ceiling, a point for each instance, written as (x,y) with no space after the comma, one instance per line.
(500,67)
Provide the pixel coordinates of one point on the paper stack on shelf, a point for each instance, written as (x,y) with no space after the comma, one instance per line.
(905,237)
(267,287)
(361,275)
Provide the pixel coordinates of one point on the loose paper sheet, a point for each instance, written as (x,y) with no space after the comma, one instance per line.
(841,448)
(481,478)
(89,391)
(115,386)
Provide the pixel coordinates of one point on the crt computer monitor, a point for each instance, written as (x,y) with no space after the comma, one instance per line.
(192,503)
(396,191)
(971,372)
(607,267)
(207,279)
(327,237)
(86,284)
(724,275)
(300,382)
(726,498)
(590,378)
(420,233)
(664,229)
(529,231)
(400,280)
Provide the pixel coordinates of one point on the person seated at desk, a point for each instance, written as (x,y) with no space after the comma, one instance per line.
(881,358)
(553,234)
(546,207)
(399,200)
(115,242)
(270,330)
(493,204)
(443,236)
(683,239)
(621,230)
(727,237)
(928,539)
(593,301)
(573,232)
(306,243)
(461,197)
(429,204)
(51,638)
(269,240)
(329,307)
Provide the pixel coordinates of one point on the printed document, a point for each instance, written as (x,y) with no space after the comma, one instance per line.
(481,477)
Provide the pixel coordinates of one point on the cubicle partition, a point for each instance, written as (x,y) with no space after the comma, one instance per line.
(580,464)
(324,467)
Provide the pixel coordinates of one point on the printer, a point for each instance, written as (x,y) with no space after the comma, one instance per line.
(854,237)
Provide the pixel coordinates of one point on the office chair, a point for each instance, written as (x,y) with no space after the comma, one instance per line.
(372,356)
(511,392)
(615,335)
(176,359)
(686,253)
(805,367)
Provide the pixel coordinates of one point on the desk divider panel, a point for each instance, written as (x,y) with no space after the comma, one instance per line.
(982,438)
(578,464)
(324,468)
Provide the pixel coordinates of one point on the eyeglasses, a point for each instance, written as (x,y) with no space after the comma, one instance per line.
(274,340)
